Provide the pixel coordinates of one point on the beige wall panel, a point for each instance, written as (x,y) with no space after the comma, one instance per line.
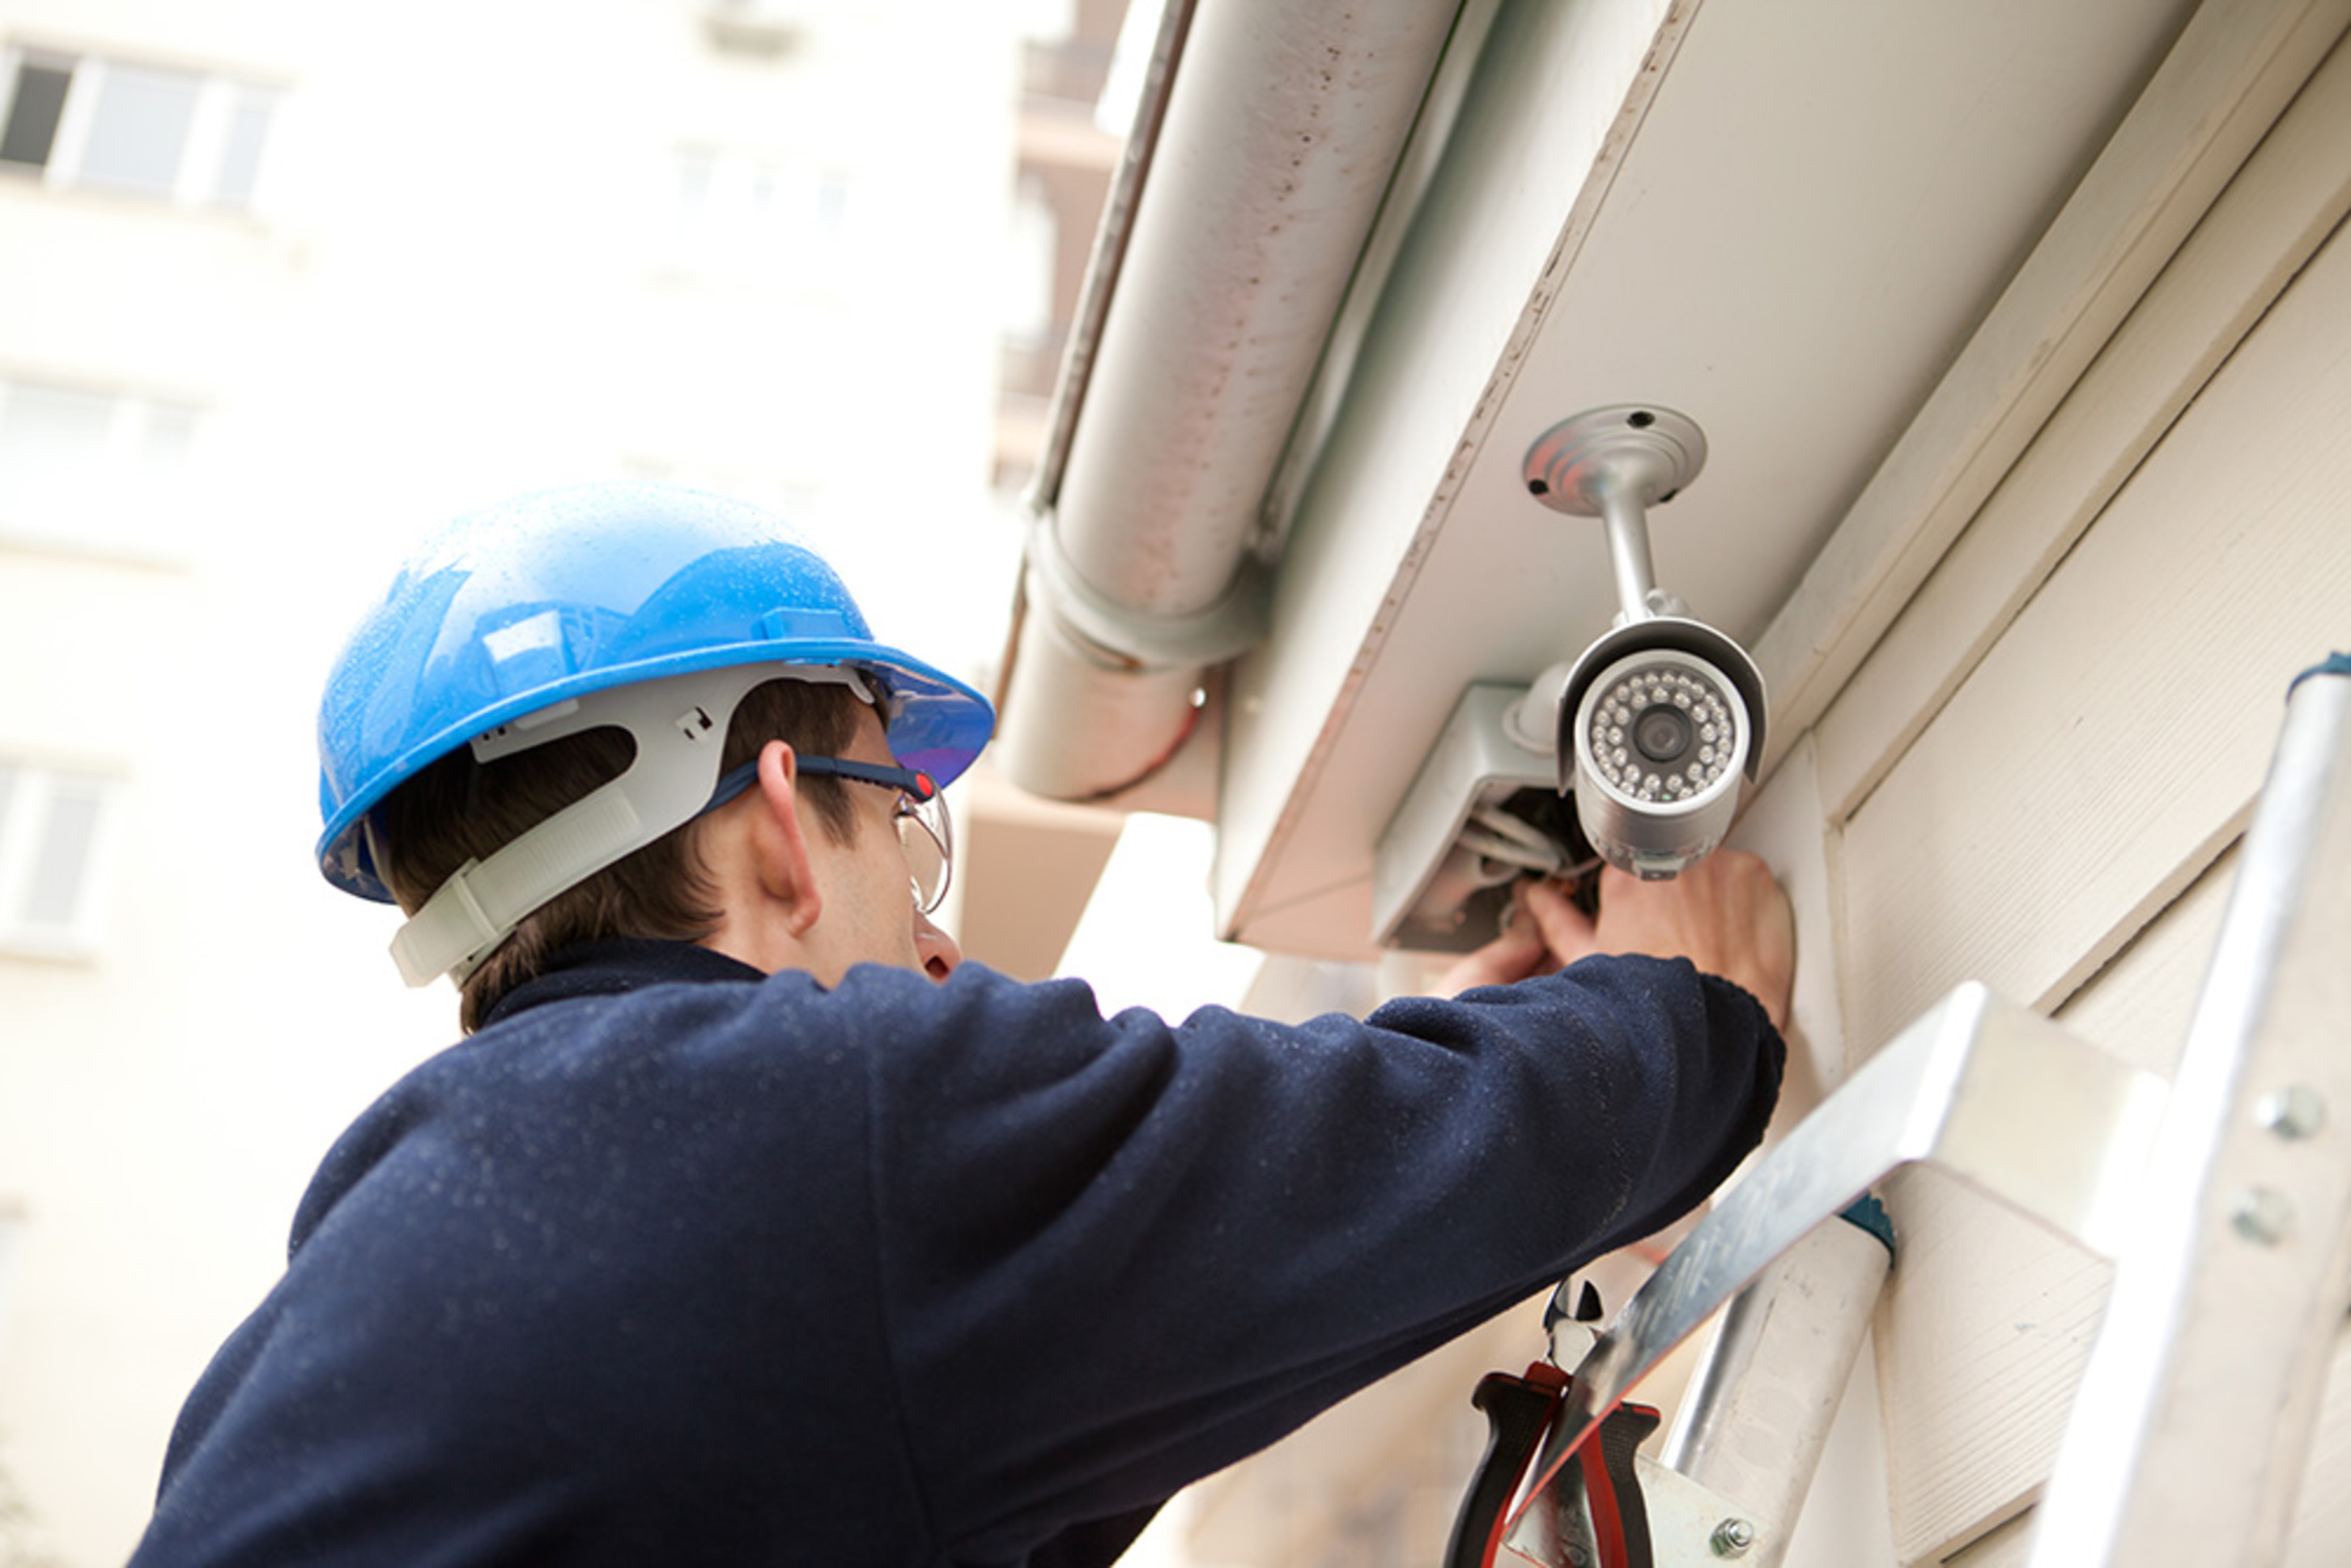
(2263,229)
(2234,70)
(2321,1521)
(1025,871)
(2321,1515)
(1988,1317)
(2108,746)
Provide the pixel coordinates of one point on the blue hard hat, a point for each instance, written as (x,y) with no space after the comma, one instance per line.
(560,593)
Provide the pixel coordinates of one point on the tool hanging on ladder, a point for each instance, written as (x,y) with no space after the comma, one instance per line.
(1594,1508)
(1558,1491)
(1596,1504)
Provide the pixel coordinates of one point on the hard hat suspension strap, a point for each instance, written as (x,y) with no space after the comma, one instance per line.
(679,724)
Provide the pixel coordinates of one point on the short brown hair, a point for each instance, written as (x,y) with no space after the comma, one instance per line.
(457,810)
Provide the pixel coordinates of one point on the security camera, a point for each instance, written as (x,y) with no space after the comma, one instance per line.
(1660,719)
(1658,722)
(1651,728)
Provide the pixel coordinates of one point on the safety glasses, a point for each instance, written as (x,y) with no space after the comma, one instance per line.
(925,831)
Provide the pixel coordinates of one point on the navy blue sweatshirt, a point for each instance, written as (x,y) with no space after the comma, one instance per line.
(675,1262)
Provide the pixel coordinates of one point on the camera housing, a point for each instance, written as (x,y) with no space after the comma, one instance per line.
(1658,722)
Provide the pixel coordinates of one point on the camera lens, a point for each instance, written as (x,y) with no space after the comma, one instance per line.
(1653,742)
(1658,727)
(1662,734)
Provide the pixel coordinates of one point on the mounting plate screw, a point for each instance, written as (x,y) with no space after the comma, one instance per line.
(1732,1538)
(2261,1214)
(2293,1112)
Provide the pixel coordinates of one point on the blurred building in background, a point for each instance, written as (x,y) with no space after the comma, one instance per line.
(1034,865)
(1071,130)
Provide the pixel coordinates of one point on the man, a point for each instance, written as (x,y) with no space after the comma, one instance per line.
(749,1225)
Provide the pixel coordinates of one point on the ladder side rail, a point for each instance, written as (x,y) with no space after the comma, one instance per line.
(2189,1433)
(1756,1416)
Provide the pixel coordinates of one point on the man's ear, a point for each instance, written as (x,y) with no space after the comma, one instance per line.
(779,844)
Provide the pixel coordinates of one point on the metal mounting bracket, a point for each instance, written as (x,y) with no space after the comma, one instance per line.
(1613,463)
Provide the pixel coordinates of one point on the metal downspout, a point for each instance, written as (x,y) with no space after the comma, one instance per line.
(1241,210)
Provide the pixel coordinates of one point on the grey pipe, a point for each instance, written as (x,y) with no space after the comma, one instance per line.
(1280,129)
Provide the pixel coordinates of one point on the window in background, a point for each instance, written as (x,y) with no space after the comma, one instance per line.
(93,468)
(1032,337)
(756,217)
(188,137)
(52,826)
(36,103)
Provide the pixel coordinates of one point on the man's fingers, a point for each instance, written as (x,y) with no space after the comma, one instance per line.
(1726,914)
(1566,930)
(1517,953)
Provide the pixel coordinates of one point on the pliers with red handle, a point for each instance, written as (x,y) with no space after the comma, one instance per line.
(1601,1490)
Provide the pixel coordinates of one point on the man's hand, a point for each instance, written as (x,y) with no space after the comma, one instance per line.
(1725,915)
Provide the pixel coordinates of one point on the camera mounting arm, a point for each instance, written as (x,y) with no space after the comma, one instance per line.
(1658,718)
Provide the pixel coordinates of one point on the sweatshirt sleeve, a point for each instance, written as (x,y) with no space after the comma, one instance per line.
(1117,1255)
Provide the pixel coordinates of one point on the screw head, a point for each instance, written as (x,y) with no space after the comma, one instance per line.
(1732,1538)
(2262,1214)
(2293,1112)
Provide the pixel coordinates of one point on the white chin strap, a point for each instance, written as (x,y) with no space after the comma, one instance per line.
(679,724)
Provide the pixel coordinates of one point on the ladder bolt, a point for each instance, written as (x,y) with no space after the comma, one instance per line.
(2293,1112)
(1732,1538)
(2261,1214)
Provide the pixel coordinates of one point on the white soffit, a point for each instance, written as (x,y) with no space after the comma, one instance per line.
(1818,204)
